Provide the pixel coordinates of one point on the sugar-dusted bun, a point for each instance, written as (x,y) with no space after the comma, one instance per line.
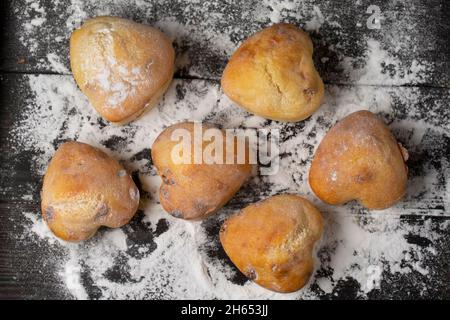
(272,75)
(122,67)
(84,189)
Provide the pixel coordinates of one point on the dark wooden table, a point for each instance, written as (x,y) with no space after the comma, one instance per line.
(413,34)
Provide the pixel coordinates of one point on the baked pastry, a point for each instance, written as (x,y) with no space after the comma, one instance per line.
(192,190)
(122,67)
(84,189)
(359,159)
(272,74)
(272,241)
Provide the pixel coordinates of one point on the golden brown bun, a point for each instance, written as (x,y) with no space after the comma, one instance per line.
(272,74)
(272,241)
(84,189)
(359,159)
(194,191)
(122,67)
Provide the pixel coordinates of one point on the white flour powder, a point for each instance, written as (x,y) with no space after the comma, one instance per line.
(377,244)
(364,246)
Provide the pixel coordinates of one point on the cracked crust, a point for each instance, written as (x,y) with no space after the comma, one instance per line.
(272,75)
(122,67)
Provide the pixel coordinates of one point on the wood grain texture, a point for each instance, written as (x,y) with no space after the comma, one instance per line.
(26,261)
(205,34)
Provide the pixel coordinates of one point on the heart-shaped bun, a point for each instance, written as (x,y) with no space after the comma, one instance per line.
(359,159)
(272,241)
(84,189)
(122,67)
(190,190)
(272,74)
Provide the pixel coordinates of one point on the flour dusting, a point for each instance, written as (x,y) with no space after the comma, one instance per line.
(381,68)
(119,266)
(205,36)
(158,256)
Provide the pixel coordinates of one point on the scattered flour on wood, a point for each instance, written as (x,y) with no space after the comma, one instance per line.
(174,263)
(352,246)
(391,61)
(382,68)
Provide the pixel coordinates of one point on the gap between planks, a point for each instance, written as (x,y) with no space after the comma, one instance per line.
(188,77)
(31,205)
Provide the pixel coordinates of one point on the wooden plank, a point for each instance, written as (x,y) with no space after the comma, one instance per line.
(39,112)
(410,47)
(27,270)
(30,267)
